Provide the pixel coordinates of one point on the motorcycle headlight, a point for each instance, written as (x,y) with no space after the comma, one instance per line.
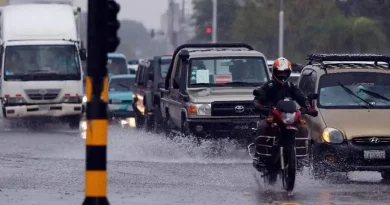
(288,118)
(332,135)
(200,109)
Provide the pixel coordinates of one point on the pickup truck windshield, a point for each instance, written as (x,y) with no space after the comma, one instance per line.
(227,71)
(117,66)
(41,62)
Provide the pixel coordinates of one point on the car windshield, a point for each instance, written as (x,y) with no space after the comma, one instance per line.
(373,88)
(117,66)
(121,84)
(164,67)
(230,71)
(50,61)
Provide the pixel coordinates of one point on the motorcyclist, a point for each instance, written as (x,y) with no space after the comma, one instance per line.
(278,88)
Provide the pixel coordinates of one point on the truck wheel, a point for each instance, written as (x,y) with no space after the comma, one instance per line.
(74,122)
(157,119)
(139,121)
(148,121)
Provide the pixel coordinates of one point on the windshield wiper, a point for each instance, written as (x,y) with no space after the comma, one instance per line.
(375,95)
(350,92)
(241,83)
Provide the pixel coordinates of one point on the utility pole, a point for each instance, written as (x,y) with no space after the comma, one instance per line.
(171,31)
(182,23)
(281,28)
(215,22)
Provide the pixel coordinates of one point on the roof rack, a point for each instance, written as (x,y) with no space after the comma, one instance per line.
(349,59)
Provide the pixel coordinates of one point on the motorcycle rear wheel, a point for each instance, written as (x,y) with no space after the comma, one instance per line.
(289,173)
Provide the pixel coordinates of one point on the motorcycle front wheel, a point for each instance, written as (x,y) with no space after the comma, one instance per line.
(289,172)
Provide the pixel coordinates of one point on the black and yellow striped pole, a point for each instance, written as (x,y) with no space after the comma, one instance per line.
(102,38)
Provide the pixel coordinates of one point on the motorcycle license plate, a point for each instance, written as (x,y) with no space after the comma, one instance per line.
(374,154)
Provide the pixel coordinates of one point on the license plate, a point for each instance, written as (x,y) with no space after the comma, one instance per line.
(114,107)
(374,154)
(44,107)
(241,127)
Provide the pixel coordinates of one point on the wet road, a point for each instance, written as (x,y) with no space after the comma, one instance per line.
(47,167)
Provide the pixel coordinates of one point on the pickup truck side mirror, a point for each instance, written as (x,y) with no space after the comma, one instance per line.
(83,54)
(176,83)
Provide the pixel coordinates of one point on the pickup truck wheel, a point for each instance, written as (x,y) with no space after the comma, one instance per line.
(74,122)
(148,121)
(157,119)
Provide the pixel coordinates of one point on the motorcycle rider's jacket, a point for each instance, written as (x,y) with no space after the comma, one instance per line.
(270,93)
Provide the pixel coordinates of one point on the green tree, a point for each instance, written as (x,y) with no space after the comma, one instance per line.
(310,26)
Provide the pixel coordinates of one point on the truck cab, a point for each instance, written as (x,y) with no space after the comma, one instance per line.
(209,90)
(41,71)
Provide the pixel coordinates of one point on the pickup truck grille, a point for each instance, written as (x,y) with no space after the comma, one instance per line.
(238,108)
(42,94)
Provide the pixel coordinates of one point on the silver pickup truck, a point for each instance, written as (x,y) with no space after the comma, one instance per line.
(209,90)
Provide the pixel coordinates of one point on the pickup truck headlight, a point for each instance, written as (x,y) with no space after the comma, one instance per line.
(332,135)
(200,109)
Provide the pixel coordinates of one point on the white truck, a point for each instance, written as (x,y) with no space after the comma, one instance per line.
(41,71)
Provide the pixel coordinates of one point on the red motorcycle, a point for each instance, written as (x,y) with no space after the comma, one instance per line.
(276,154)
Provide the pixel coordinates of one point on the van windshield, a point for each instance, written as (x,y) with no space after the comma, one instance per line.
(117,66)
(41,62)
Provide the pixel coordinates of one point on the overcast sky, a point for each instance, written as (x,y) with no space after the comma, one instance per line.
(146,11)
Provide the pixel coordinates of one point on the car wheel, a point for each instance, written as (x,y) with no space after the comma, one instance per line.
(317,166)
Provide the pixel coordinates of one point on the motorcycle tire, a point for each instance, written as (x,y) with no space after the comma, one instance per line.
(289,174)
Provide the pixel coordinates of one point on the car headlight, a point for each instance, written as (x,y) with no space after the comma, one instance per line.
(332,135)
(200,109)
(85,99)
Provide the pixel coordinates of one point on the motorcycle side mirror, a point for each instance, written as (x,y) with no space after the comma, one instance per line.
(312,96)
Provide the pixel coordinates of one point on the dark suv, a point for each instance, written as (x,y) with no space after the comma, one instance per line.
(150,78)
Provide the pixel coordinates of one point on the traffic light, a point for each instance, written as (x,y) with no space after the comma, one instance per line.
(208,30)
(113,26)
